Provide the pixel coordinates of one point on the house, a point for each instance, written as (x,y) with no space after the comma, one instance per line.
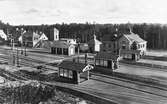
(3,35)
(83,47)
(107,60)
(27,39)
(31,39)
(54,34)
(94,44)
(109,43)
(41,40)
(73,71)
(62,48)
(132,46)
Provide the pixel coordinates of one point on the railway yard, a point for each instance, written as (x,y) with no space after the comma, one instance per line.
(127,85)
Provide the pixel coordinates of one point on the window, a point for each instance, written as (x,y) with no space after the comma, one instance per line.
(70,74)
(97,62)
(123,42)
(65,73)
(114,45)
(105,63)
(61,72)
(109,45)
(104,44)
(101,62)
(123,47)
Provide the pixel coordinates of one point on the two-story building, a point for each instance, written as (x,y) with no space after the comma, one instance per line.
(94,44)
(132,46)
(109,43)
(31,39)
(62,46)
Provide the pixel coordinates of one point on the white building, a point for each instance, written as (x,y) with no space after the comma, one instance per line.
(132,46)
(94,44)
(3,35)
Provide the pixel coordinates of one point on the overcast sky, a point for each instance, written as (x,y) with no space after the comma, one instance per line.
(31,12)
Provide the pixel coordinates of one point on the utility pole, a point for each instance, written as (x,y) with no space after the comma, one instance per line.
(25,49)
(78,41)
(17,58)
(12,45)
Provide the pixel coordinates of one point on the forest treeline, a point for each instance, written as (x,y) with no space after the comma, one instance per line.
(154,34)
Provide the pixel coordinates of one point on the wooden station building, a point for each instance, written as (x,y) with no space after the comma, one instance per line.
(73,71)
(62,48)
(106,60)
(131,54)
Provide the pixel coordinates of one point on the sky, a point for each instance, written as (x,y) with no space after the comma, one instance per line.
(36,12)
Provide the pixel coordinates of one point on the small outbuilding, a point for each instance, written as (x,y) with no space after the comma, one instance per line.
(62,48)
(73,71)
(133,55)
(107,60)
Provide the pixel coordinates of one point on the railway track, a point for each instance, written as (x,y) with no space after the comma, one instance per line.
(130,81)
(25,62)
(118,82)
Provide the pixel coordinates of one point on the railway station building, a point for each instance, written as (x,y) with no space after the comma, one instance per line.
(74,72)
(62,48)
(107,60)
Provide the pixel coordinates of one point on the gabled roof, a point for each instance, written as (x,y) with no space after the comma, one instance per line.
(134,37)
(3,35)
(61,44)
(94,41)
(80,67)
(43,37)
(106,55)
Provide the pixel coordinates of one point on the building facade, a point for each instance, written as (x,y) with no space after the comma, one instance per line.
(132,46)
(31,39)
(94,44)
(3,35)
(62,48)
(109,43)
(54,34)
(107,60)
(68,40)
(74,72)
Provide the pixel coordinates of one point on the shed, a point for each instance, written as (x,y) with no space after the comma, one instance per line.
(73,71)
(106,60)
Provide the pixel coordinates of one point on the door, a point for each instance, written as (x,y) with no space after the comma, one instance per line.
(109,63)
(133,57)
(71,51)
(75,77)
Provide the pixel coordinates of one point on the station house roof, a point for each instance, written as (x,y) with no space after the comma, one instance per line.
(134,37)
(80,67)
(60,44)
(106,55)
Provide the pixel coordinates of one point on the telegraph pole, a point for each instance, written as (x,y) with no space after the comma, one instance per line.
(78,48)
(25,49)
(17,58)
